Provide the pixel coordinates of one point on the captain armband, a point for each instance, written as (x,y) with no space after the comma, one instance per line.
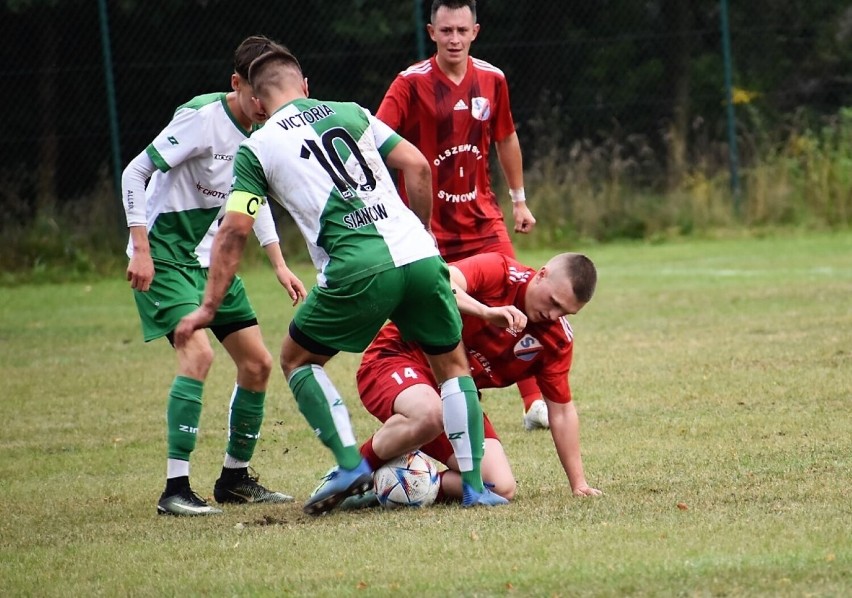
(244,203)
(517,195)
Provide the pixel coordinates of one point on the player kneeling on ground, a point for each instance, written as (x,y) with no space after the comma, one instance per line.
(514,327)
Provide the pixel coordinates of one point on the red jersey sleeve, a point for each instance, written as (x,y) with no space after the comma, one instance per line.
(394,107)
(503,124)
(486,276)
(553,377)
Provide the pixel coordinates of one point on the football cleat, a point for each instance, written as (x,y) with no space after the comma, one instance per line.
(368,500)
(486,498)
(536,416)
(242,487)
(185,503)
(337,485)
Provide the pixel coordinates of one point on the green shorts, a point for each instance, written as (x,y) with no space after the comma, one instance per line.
(416,297)
(176,291)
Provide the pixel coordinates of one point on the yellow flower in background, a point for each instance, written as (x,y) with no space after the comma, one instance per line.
(743,96)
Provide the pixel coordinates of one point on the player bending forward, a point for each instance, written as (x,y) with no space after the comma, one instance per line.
(514,327)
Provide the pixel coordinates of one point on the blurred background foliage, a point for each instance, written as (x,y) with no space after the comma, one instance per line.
(620,107)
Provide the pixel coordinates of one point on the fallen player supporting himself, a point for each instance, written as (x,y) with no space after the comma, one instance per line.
(514,327)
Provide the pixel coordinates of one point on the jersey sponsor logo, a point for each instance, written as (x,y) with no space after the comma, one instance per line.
(210,192)
(517,276)
(527,348)
(457,197)
(172,140)
(481,360)
(480,108)
(455,150)
(460,105)
(364,216)
(307,117)
(225,157)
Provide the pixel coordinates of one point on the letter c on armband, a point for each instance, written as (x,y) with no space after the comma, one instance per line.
(251,208)
(244,203)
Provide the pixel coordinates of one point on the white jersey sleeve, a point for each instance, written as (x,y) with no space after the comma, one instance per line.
(386,138)
(133,181)
(264,226)
(185,137)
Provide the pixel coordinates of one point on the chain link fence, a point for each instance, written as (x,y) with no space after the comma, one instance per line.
(90,82)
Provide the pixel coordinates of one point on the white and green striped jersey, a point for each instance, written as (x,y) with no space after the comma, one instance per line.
(323,161)
(194,157)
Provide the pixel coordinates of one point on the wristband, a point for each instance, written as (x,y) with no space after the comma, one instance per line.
(517,195)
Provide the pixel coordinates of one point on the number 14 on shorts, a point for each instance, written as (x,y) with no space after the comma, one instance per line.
(406,373)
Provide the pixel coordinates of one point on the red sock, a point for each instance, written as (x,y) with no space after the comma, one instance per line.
(370,455)
(530,392)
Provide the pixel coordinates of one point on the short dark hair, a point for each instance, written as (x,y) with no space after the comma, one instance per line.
(453,5)
(580,270)
(250,48)
(281,57)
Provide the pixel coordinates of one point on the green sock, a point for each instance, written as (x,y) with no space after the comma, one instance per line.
(245,420)
(320,404)
(463,424)
(183,413)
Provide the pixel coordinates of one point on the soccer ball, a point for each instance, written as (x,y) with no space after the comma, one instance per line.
(407,481)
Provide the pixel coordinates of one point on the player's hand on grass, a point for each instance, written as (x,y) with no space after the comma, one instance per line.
(586,490)
(140,271)
(524,220)
(508,317)
(196,320)
(292,284)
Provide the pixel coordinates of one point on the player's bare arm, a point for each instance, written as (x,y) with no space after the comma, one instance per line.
(291,283)
(512,164)
(565,430)
(228,246)
(504,316)
(140,269)
(418,179)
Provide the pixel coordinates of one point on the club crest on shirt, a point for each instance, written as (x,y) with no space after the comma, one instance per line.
(527,348)
(480,108)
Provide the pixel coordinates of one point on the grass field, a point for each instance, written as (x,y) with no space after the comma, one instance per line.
(714,383)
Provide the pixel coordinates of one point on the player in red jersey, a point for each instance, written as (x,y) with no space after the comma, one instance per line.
(514,327)
(451,107)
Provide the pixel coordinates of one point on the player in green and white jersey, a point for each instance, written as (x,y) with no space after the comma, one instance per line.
(376,260)
(172,224)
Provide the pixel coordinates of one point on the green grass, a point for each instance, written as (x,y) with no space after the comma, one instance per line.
(713,378)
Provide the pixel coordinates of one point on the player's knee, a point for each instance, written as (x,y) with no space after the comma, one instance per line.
(431,420)
(196,363)
(506,487)
(257,369)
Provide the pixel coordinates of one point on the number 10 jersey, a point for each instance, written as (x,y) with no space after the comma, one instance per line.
(324,163)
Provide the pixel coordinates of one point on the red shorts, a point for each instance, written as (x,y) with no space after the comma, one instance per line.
(382,378)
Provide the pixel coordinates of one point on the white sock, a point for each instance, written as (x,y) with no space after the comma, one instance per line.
(177,468)
(454,410)
(233,463)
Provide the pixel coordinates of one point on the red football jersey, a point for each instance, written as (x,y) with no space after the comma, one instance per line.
(453,126)
(498,358)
